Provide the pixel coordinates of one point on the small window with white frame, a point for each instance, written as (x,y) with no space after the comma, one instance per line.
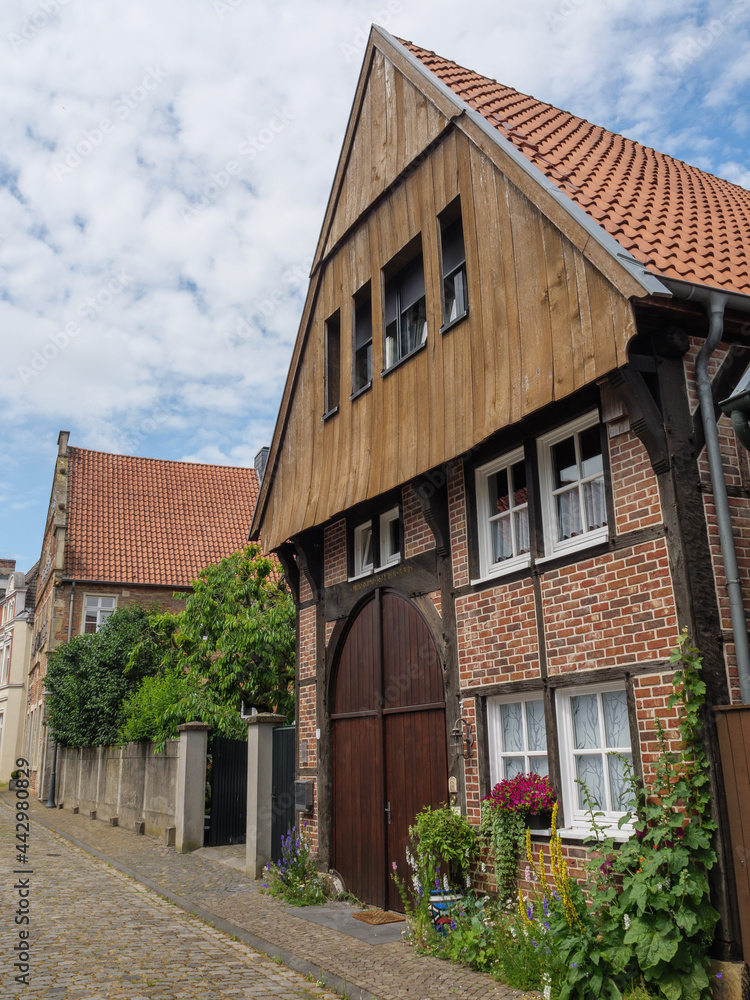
(571,467)
(595,752)
(517,737)
(390,537)
(96,611)
(5,664)
(503,514)
(363,555)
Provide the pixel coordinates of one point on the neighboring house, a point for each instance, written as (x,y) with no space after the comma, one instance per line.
(123,530)
(16,624)
(488,478)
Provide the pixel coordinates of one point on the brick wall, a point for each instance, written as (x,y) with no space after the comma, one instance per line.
(610,611)
(497,639)
(305,590)
(417,534)
(307,648)
(458,528)
(437,601)
(635,488)
(334,553)
(651,693)
(307,722)
(471,766)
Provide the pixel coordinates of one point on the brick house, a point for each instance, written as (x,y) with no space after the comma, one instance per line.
(488,480)
(16,624)
(124,530)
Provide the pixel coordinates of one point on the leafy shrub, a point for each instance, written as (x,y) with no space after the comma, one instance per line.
(448,839)
(87,680)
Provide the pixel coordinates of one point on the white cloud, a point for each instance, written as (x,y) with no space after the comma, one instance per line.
(123,116)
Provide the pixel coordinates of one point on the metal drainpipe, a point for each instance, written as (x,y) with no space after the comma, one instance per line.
(50,804)
(715,308)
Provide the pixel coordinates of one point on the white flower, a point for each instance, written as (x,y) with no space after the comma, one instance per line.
(468,882)
(445,883)
(484,867)
(626,921)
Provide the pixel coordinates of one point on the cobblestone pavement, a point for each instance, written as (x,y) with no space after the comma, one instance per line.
(228,899)
(95,934)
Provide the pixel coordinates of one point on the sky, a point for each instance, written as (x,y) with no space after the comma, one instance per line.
(165,167)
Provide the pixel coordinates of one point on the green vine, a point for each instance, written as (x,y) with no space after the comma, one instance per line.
(505,830)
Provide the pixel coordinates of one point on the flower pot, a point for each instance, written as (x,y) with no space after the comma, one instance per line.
(542,821)
(442,902)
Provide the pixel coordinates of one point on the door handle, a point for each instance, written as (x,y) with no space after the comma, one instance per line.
(388,810)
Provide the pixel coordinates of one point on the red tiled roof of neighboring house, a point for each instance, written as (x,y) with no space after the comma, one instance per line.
(149,521)
(673,218)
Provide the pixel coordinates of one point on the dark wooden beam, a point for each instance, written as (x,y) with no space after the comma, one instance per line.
(433,500)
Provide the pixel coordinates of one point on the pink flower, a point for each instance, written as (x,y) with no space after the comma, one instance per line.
(529,793)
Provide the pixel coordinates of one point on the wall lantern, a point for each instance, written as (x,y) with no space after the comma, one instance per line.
(462,738)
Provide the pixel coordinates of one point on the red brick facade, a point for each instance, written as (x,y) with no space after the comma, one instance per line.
(417,535)
(334,546)
(497,638)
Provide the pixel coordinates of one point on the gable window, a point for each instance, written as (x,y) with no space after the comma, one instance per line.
(573,488)
(595,750)
(362,345)
(453,256)
(405,318)
(517,737)
(96,611)
(333,364)
(363,559)
(390,537)
(503,514)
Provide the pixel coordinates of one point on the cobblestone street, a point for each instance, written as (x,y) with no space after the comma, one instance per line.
(94,933)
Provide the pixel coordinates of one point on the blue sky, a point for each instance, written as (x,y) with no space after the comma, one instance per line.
(149,294)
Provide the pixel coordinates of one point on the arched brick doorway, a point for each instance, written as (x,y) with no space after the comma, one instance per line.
(389,743)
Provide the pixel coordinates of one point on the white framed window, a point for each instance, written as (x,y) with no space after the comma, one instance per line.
(503,514)
(517,737)
(390,537)
(2,719)
(594,735)
(5,664)
(363,558)
(571,469)
(453,259)
(96,610)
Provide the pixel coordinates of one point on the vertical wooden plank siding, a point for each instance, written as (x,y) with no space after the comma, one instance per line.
(733,728)
(542,322)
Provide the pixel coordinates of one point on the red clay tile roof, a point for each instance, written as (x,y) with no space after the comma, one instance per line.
(145,520)
(677,220)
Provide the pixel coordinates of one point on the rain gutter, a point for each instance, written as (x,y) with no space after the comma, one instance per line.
(715,302)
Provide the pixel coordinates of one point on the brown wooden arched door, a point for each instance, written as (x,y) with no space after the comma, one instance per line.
(389,745)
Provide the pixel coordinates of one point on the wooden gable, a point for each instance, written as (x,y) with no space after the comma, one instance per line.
(549,310)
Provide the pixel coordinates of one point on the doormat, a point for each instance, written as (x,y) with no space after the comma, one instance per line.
(378,917)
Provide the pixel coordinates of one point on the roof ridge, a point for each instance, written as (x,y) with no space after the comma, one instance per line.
(165,461)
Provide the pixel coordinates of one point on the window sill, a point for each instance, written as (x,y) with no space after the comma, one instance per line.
(582,833)
(586,541)
(361,576)
(360,392)
(397,364)
(454,322)
(331,412)
(505,570)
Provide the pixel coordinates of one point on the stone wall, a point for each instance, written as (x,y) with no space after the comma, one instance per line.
(128,786)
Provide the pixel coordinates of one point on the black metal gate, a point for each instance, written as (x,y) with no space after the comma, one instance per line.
(282,780)
(228,792)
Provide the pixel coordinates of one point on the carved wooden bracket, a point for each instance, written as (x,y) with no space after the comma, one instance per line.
(309,548)
(434,503)
(645,416)
(288,558)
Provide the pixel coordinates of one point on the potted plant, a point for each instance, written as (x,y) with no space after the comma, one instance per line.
(513,805)
(13,783)
(449,843)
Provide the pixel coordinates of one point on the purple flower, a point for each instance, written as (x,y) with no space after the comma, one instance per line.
(393,865)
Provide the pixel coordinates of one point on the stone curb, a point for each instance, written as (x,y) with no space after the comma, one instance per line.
(287,958)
